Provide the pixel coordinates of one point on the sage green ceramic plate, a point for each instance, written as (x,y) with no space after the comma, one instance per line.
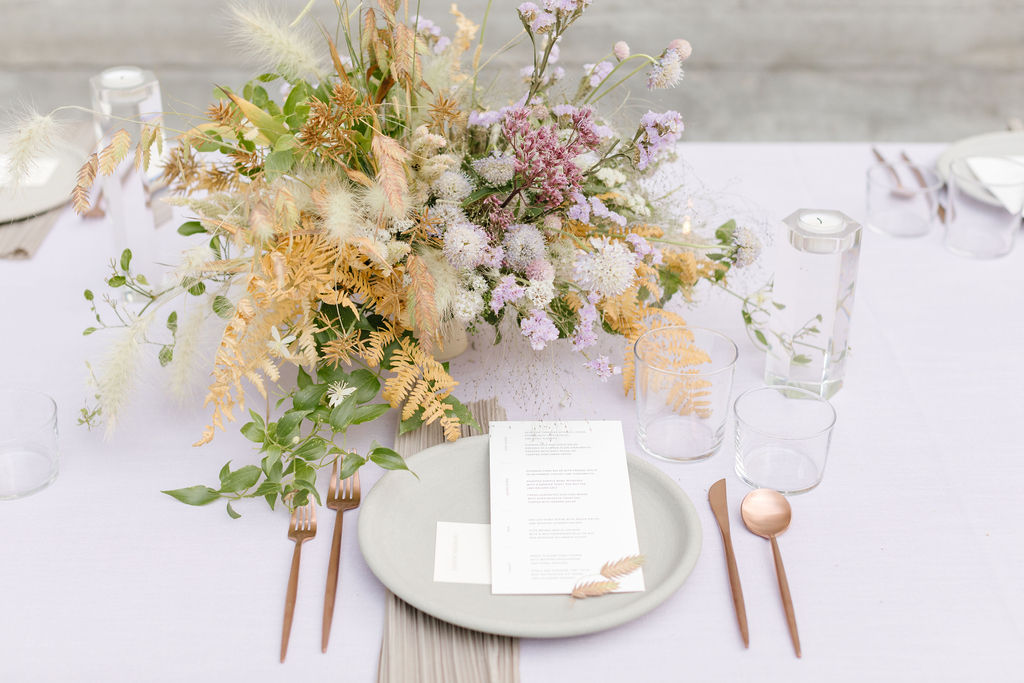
(397,525)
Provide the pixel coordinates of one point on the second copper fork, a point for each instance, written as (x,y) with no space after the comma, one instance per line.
(301,529)
(342,495)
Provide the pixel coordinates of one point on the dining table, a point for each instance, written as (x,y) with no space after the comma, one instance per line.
(904,564)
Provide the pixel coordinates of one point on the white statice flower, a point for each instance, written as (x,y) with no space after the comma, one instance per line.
(476,282)
(748,247)
(496,169)
(400,225)
(452,186)
(467,306)
(274,43)
(609,270)
(447,213)
(540,293)
(635,203)
(337,392)
(523,243)
(465,246)
(610,176)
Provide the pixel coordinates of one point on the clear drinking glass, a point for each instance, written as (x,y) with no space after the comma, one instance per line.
(782,438)
(683,382)
(986,200)
(902,199)
(28,442)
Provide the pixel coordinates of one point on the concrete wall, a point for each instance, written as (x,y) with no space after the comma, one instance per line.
(761,70)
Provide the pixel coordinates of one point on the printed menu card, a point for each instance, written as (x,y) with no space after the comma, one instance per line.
(560,505)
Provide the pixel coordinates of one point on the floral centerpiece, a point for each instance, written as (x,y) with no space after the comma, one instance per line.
(384,198)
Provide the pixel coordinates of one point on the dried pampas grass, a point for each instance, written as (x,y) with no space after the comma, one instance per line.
(274,43)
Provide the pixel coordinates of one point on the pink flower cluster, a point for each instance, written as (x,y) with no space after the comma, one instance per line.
(659,132)
(543,159)
(505,292)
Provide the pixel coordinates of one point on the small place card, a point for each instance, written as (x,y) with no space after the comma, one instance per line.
(462,553)
(561,506)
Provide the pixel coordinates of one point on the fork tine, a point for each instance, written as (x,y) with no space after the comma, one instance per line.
(332,489)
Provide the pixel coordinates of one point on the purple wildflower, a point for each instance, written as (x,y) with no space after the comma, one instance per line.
(506,291)
(659,131)
(602,367)
(584,334)
(539,329)
(597,72)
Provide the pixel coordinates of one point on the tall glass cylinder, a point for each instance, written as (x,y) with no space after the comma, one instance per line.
(812,300)
(128,98)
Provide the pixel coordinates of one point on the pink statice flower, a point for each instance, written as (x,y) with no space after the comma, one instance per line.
(595,73)
(505,292)
(498,216)
(603,367)
(539,329)
(658,133)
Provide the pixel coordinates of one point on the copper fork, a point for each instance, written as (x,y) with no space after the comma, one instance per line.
(342,495)
(301,529)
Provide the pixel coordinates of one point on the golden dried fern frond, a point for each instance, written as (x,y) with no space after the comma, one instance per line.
(422,306)
(622,567)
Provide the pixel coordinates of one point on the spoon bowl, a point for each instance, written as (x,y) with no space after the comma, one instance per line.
(766,512)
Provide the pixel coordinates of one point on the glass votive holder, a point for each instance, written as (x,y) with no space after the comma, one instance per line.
(28,442)
(782,438)
(986,201)
(902,199)
(683,382)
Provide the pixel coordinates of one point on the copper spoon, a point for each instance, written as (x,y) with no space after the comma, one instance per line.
(767,514)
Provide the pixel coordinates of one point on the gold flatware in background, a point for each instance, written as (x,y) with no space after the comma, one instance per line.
(900,190)
(720,506)
(940,210)
(767,514)
(342,495)
(301,529)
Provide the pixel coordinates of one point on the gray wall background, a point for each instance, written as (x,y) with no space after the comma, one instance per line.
(913,70)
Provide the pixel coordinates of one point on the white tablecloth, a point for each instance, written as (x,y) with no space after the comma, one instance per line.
(904,564)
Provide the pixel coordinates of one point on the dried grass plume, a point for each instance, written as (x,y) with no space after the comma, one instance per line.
(274,43)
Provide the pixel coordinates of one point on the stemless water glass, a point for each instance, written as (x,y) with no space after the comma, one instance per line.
(28,442)
(782,438)
(683,382)
(902,199)
(986,200)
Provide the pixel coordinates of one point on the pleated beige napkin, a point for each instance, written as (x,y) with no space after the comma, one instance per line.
(22,239)
(416,647)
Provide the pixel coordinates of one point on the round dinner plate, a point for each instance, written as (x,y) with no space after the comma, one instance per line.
(397,527)
(1007,143)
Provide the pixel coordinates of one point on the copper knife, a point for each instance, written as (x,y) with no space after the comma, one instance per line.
(720,506)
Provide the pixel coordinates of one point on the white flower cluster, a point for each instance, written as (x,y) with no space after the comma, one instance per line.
(748,247)
(540,293)
(609,270)
(610,176)
(465,246)
(452,186)
(523,244)
(496,169)
(469,300)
